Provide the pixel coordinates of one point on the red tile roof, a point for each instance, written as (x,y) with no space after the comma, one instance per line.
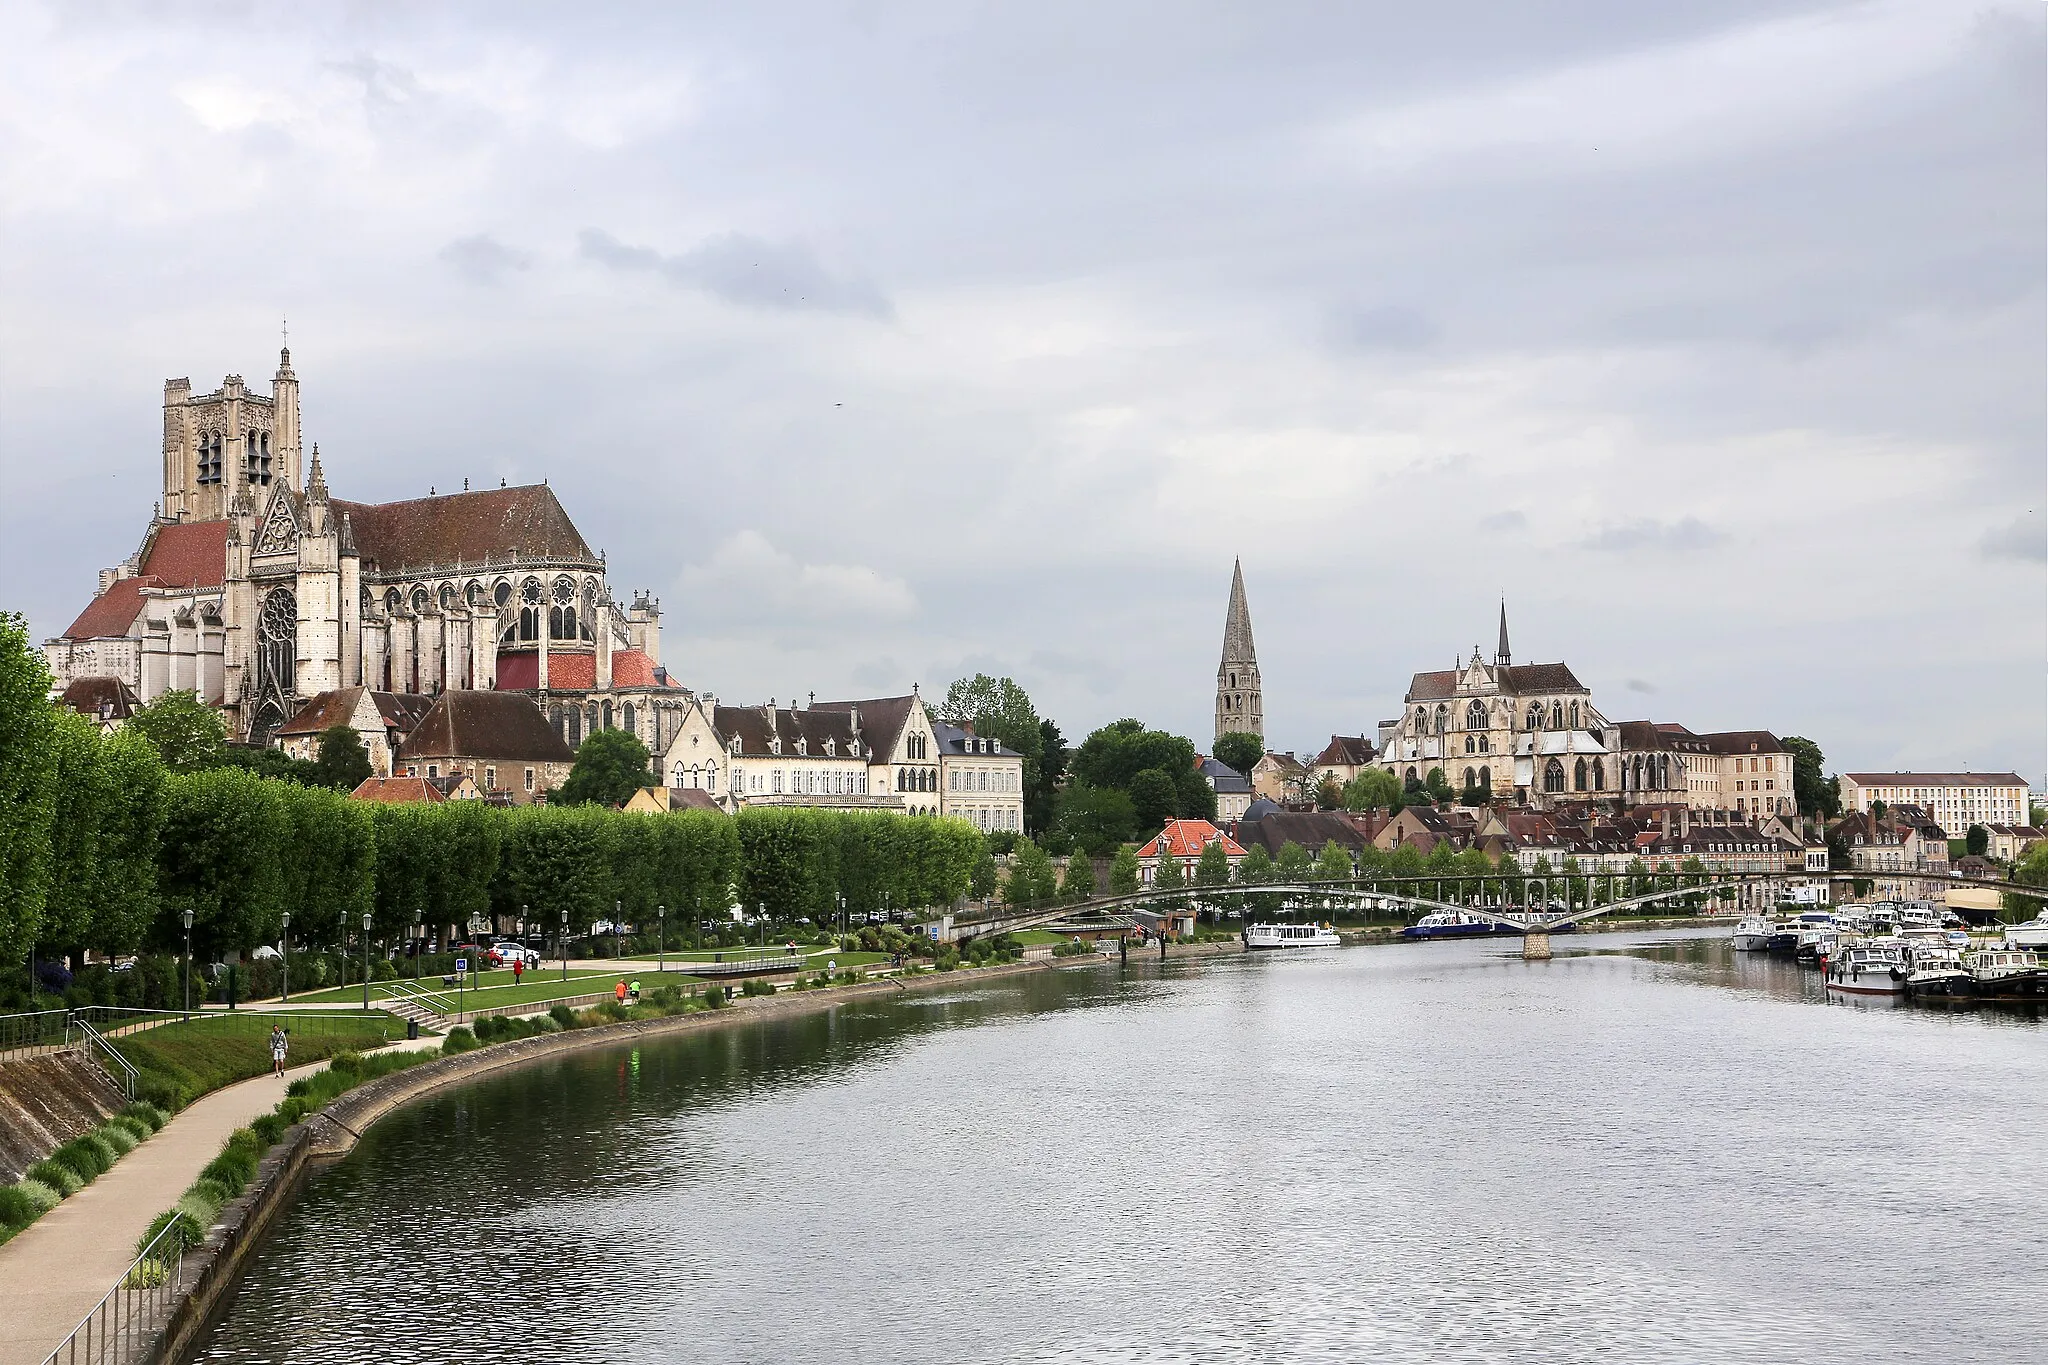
(112,612)
(88,695)
(1187,839)
(180,554)
(398,790)
(575,672)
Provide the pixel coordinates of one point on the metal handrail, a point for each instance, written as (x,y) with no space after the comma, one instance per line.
(30,1034)
(90,1038)
(411,992)
(124,1324)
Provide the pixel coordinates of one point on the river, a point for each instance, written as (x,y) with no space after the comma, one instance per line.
(1649,1149)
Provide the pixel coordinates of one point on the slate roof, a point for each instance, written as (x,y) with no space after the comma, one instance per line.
(815,727)
(1743,742)
(1277,828)
(1515,680)
(882,720)
(578,672)
(1937,779)
(87,695)
(499,524)
(953,740)
(468,724)
(1221,776)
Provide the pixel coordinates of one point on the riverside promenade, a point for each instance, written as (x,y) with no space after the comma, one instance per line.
(57,1268)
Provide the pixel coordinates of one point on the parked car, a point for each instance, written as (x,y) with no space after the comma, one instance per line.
(478,955)
(263,952)
(504,954)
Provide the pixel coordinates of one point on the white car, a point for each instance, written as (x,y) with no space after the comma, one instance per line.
(504,954)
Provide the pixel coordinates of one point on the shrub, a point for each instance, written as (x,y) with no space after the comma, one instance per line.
(160,1094)
(458,1040)
(714,996)
(270,1128)
(133,1127)
(40,1194)
(233,1168)
(118,1136)
(562,1015)
(191,1231)
(754,985)
(211,1192)
(147,1114)
(546,1023)
(58,1177)
(348,1059)
(87,1159)
(17,1210)
(612,1010)
(199,1210)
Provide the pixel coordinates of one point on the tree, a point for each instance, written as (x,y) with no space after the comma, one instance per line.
(1042,794)
(1329,792)
(1212,866)
(131,836)
(1169,877)
(1878,809)
(1124,876)
(1031,880)
(557,859)
(1154,799)
(227,841)
(27,788)
(1437,785)
(611,765)
(1256,869)
(1097,819)
(1333,864)
(981,881)
(1818,797)
(342,762)
(1240,752)
(2030,870)
(1373,789)
(1078,881)
(1119,753)
(275,764)
(185,731)
(1976,840)
(999,709)
(1294,862)
(83,794)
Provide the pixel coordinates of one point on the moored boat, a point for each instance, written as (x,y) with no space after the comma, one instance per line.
(1867,969)
(1784,939)
(2032,934)
(1752,935)
(1290,936)
(2013,975)
(1455,924)
(1938,974)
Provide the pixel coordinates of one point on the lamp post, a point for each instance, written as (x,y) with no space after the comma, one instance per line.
(562,942)
(287,996)
(661,944)
(764,923)
(618,929)
(842,913)
(366,962)
(419,943)
(188,963)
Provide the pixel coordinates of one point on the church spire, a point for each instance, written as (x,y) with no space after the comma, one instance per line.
(1501,656)
(1239,703)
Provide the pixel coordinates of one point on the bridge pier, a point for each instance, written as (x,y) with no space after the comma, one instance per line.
(1536,946)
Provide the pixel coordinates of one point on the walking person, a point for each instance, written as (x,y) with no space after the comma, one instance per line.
(280,1043)
(518,967)
(619,994)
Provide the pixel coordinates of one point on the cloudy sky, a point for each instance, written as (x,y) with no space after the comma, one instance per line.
(891,342)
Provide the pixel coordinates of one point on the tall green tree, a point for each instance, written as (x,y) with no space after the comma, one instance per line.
(999,709)
(1373,789)
(84,796)
(1098,819)
(1976,841)
(2030,870)
(1032,880)
(610,766)
(131,835)
(558,859)
(1240,752)
(1329,792)
(226,842)
(342,762)
(28,764)
(1077,882)
(1293,863)
(186,733)
(1154,799)
(1041,796)
(1819,797)
(1124,874)
(1333,864)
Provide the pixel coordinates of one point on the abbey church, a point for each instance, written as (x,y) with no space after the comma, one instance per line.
(256,588)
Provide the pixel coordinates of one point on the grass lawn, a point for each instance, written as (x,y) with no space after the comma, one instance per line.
(1032,938)
(478,981)
(180,1062)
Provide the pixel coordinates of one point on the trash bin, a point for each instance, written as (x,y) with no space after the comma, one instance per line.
(412,1028)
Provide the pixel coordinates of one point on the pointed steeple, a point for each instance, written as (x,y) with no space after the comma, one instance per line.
(1240,704)
(316,483)
(1501,657)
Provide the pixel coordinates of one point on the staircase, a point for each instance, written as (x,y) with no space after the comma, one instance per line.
(415,1004)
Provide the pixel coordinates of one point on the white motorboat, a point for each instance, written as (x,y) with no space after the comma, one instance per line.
(1868,969)
(2013,974)
(1290,936)
(1752,935)
(2032,934)
(1938,973)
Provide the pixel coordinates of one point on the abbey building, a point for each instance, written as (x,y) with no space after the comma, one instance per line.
(258,589)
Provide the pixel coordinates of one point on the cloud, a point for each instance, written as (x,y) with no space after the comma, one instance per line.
(1510,520)
(1685,534)
(2025,537)
(1387,327)
(483,259)
(1638,685)
(748,271)
(747,579)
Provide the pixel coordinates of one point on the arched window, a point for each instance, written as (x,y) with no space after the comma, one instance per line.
(607,707)
(1575,715)
(569,623)
(626,717)
(1553,776)
(1471,779)
(1599,776)
(1409,779)
(1475,716)
(676,780)
(1485,745)
(1485,780)
(711,777)
(593,718)
(1471,745)
(1579,776)
(1556,716)
(1443,720)
(575,727)
(1663,762)
(1535,716)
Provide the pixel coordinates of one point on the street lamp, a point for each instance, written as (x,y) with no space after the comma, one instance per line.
(419,943)
(618,929)
(562,942)
(366,962)
(842,913)
(188,963)
(661,945)
(764,923)
(287,958)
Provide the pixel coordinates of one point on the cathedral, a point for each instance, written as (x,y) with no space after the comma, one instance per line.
(257,589)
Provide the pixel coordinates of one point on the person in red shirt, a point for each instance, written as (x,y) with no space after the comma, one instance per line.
(518,968)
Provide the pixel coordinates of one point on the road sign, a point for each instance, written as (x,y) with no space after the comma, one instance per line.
(461,965)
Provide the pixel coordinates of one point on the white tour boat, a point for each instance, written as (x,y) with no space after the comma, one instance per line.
(2032,934)
(1868,969)
(1290,936)
(1753,935)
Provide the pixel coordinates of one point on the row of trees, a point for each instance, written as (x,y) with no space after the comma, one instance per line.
(108,844)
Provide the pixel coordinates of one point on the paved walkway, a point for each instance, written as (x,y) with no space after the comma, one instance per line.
(57,1269)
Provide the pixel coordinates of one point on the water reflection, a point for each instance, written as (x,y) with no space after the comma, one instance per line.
(1636,1152)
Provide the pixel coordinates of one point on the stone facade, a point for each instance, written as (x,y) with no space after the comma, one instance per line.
(980,781)
(1240,705)
(880,754)
(1955,800)
(257,589)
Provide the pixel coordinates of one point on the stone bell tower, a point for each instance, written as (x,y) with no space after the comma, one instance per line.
(1240,708)
(222,444)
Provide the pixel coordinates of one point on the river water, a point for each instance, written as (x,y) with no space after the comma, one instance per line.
(1649,1149)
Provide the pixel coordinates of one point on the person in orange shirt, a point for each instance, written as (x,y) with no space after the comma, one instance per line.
(620,992)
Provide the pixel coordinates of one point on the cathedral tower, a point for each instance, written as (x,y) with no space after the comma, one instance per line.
(1239,705)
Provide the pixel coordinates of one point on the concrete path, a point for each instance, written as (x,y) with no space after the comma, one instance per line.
(56,1270)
